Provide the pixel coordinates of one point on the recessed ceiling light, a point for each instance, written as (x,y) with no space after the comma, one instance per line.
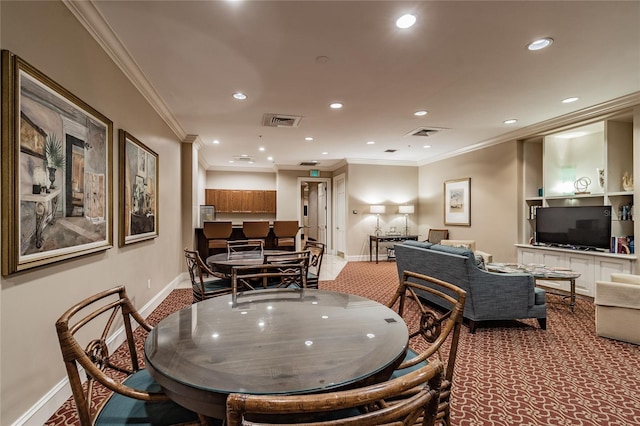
(244,155)
(371,142)
(569,100)
(216,141)
(427,146)
(261,148)
(510,121)
(406,21)
(336,105)
(420,113)
(239,96)
(540,43)
(270,158)
(325,153)
(231,161)
(308,138)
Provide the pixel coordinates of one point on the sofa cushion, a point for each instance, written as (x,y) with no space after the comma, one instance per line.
(421,244)
(461,251)
(540,296)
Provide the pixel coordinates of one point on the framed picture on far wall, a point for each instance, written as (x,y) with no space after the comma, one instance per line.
(138,190)
(457,202)
(56,171)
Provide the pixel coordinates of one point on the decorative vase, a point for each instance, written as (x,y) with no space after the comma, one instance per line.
(627,182)
(600,177)
(52,176)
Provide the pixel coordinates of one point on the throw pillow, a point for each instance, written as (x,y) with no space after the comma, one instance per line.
(480,262)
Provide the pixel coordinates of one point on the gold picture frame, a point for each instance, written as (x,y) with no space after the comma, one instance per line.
(138,190)
(56,171)
(457,202)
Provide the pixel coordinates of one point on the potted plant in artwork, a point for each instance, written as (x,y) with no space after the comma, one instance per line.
(54,156)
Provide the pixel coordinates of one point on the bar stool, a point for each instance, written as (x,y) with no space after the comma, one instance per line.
(285,232)
(256,230)
(217,234)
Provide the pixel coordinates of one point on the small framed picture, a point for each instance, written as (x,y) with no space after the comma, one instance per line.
(138,190)
(457,202)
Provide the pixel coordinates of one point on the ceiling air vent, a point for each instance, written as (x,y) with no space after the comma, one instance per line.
(425,131)
(281,120)
(244,159)
(390,150)
(309,163)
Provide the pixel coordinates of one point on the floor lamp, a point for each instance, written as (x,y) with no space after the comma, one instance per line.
(406,210)
(377,209)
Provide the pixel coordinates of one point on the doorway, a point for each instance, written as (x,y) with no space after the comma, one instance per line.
(314,199)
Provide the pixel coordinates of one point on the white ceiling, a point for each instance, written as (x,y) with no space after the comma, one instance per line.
(466,63)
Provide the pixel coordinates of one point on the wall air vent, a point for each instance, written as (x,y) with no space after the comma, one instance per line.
(425,131)
(309,163)
(281,120)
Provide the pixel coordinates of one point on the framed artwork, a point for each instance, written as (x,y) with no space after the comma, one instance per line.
(138,190)
(56,171)
(457,202)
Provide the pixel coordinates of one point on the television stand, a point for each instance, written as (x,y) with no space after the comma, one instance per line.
(592,265)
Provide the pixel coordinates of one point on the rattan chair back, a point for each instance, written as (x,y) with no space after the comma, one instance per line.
(315,262)
(93,355)
(411,399)
(245,248)
(202,277)
(438,329)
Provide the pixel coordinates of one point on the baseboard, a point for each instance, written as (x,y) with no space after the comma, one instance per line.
(50,402)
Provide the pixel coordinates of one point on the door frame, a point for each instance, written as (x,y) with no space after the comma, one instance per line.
(328,232)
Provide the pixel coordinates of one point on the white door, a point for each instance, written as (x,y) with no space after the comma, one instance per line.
(340,209)
(322,212)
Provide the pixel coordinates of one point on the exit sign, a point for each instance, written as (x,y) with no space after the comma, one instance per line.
(314,173)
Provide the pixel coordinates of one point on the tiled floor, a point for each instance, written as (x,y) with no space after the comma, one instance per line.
(331,267)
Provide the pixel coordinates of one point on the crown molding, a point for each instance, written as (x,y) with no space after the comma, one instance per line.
(593,113)
(92,20)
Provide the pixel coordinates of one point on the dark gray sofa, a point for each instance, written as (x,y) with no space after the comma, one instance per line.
(490,296)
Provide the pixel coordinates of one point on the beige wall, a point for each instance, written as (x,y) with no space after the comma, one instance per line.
(47,35)
(494,198)
(367,185)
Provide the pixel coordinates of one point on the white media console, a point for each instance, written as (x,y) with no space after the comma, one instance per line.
(592,265)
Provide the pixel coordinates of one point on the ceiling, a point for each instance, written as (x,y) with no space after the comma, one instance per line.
(466,63)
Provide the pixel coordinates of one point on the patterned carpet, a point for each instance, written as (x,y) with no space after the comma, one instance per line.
(509,372)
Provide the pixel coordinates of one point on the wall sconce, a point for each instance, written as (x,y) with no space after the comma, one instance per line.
(377,210)
(406,210)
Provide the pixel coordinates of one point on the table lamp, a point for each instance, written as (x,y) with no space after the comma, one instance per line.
(377,209)
(406,210)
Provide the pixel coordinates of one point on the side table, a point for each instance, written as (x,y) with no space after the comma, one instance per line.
(377,239)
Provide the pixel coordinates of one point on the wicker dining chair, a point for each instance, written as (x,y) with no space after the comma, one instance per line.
(411,399)
(438,330)
(256,277)
(205,283)
(137,398)
(302,257)
(315,262)
(242,248)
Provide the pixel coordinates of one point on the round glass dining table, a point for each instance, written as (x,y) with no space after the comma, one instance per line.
(282,341)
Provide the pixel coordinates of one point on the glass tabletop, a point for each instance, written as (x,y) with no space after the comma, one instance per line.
(277,341)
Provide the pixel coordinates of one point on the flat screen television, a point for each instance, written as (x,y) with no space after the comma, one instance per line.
(583,227)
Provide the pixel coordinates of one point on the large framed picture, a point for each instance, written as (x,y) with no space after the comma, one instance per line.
(457,202)
(56,171)
(138,190)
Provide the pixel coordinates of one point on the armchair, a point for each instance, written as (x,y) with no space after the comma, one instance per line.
(618,308)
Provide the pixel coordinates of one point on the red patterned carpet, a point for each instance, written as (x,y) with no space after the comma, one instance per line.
(508,373)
